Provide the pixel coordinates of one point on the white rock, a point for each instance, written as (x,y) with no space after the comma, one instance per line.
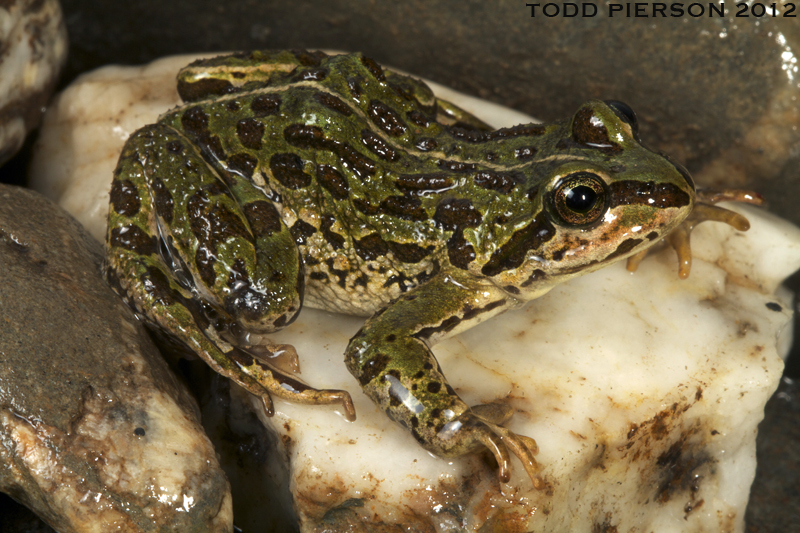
(643,392)
(33,40)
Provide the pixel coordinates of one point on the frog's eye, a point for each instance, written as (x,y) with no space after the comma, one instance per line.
(625,114)
(580,198)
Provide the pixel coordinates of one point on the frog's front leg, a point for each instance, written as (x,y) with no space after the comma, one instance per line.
(205,259)
(391,358)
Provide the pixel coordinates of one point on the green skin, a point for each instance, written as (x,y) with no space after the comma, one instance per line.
(290,175)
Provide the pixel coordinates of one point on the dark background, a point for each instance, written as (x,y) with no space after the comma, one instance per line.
(699,86)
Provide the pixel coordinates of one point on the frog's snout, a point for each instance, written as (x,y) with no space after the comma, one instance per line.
(680,168)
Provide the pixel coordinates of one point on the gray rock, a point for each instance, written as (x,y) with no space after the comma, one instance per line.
(95,432)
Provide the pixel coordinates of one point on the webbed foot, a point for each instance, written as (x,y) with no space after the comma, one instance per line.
(704,209)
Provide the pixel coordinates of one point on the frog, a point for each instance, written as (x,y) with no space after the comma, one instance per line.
(292,177)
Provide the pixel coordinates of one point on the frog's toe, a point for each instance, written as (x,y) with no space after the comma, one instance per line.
(500,441)
(269,380)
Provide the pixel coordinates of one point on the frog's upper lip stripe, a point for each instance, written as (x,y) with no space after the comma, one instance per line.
(657,195)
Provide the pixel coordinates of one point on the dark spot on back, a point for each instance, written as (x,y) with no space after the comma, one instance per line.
(419,119)
(502,182)
(453,213)
(333,181)
(163,200)
(263,218)
(373,68)
(265,105)
(355,88)
(156,284)
(377,146)
(334,103)
(288,170)
(194,120)
(456,166)
(525,153)
(132,238)
(203,88)
(426,144)
(204,262)
(124,197)
(309,59)
(471,134)
(243,164)
(250,132)
(424,183)
(366,207)
(386,118)
(312,137)
(459,251)
(404,207)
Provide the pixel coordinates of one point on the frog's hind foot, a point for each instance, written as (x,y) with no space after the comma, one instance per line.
(704,209)
(267,380)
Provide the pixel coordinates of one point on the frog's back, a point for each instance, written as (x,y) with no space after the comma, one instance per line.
(375,191)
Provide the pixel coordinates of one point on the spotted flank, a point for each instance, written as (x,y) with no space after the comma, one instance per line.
(294,177)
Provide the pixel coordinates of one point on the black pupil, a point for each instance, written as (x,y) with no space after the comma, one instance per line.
(580,199)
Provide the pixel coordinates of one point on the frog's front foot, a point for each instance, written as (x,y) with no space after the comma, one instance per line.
(704,209)
(482,423)
(263,379)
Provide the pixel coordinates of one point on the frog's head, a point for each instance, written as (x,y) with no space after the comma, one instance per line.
(603,197)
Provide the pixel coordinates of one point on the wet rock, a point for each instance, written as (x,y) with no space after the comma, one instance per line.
(33,48)
(643,392)
(95,433)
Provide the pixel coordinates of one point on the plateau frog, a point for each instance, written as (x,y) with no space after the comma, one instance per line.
(294,175)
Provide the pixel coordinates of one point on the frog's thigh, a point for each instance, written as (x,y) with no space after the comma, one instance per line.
(182,318)
(137,254)
(222,234)
(391,359)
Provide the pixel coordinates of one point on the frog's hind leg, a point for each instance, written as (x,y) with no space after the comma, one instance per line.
(167,208)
